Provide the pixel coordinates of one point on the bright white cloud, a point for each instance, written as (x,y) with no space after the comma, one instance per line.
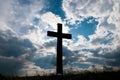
(106,39)
(52,20)
(19,15)
(106,12)
(95,8)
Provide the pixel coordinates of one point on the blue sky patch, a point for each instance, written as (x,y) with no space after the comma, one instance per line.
(86,27)
(54,6)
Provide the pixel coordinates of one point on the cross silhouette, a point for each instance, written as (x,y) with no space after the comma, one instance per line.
(59,36)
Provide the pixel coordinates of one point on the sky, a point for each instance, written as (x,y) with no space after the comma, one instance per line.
(25,47)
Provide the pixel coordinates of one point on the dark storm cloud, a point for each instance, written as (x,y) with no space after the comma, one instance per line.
(108,58)
(69,56)
(10,65)
(49,61)
(12,52)
(95,61)
(104,40)
(13,46)
(66,52)
(80,65)
(45,62)
(52,43)
(115,55)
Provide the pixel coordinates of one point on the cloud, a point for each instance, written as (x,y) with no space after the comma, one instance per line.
(19,66)
(13,46)
(23,34)
(18,52)
(45,62)
(104,42)
(26,35)
(14,65)
(5,8)
(20,14)
(68,56)
(77,8)
(115,56)
(4,27)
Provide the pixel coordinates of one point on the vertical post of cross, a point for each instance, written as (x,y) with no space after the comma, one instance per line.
(59,51)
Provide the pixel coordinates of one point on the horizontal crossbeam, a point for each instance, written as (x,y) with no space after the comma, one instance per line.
(55,34)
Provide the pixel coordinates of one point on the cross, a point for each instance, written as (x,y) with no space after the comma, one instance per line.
(59,36)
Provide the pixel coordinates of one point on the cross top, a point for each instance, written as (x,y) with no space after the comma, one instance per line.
(59,33)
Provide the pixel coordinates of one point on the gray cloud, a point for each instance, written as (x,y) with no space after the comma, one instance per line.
(67,53)
(13,46)
(115,55)
(45,62)
(69,56)
(14,52)
(105,58)
(52,43)
(10,65)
